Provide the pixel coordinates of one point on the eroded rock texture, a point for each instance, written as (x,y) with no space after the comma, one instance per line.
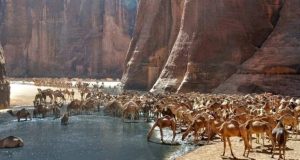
(275,67)
(66,37)
(4,84)
(197,45)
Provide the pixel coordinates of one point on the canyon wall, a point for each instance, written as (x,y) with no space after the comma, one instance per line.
(4,84)
(86,38)
(207,45)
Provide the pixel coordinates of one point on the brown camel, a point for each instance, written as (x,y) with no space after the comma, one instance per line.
(163,122)
(45,93)
(259,127)
(75,105)
(23,113)
(11,142)
(233,129)
(40,109)
(130,109)
(280,137)
(58,94)
(196,126)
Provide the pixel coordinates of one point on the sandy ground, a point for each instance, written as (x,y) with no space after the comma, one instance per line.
(214,151)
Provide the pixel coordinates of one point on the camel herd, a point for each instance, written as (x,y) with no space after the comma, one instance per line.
(197,116)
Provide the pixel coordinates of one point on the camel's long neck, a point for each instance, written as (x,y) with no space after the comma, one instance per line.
(12,113)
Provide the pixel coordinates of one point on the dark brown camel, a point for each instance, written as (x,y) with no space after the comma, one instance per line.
(23,113)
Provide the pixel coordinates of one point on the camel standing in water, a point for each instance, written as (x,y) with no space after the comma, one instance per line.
(23,113)
(64,120)
(11,142)
(163,122)
(130,109)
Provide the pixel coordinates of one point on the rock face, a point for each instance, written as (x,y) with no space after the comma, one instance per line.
(4,85)
(205,45)
(275,67)
(66,37)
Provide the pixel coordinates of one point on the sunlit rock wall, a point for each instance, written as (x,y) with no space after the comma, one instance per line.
(206,45)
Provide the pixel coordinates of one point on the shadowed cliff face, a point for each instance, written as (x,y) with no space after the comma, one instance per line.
(4,85)
(66,37)
(204,42)
(275,67)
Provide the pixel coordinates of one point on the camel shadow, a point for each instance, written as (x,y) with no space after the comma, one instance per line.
(231,158)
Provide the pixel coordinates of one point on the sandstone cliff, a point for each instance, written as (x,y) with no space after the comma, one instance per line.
(66,37)
(197,45)
(275,67)
(4,85)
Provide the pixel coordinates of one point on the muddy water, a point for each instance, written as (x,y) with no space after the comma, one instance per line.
(91,137)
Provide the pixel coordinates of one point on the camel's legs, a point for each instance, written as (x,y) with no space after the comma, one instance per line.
(284,146)
(161,134)
(228,139)
(273,149)
(263,138)
(174,132)
(280,156)
(224,140)
(150,132)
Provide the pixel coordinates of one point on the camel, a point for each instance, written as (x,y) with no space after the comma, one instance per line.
(289,120)
(40,109)
(74,105)
(45,93)
(196,126)
(59,94)
(258,127)
(113,108)
(163,122)
(67,93)
(11,142)
(231,129)
(130,109)
(39,98)
(64,120)
(23,113)
(280,137)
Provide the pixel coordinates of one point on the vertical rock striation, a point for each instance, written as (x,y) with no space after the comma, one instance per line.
(66,37)
(4,84)
(275,67)
(204,42)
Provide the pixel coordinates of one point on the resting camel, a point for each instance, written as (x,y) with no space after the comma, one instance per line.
(163,122)
(11,142)
(280,137)
(23,113)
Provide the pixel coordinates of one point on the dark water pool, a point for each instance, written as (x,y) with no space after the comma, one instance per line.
(87,137)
